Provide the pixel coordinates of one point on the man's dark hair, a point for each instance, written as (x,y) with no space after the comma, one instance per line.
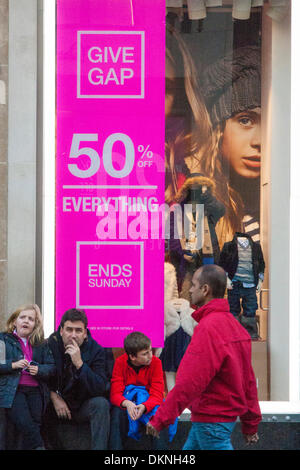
(215,277)
(74,315)
(135,342)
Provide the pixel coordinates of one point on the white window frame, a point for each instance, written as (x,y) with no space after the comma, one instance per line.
(48,282)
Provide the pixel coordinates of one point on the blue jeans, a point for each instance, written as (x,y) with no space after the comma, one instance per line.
(210,436)
(248,297)
(119,432)
(93,410)
(26,415)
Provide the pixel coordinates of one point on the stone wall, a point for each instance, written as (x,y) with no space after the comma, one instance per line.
(18,91)
(3,156)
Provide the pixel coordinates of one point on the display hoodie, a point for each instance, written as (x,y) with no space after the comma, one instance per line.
(215,379)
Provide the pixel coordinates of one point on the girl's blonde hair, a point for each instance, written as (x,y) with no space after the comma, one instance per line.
(195,141)
(212,166)
(37,336)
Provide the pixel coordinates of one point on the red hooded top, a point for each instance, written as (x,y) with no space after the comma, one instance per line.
(215,379)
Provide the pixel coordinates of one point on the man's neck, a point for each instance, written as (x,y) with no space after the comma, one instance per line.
(206,301)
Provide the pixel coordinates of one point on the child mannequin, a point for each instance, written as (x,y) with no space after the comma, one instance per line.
(243,261)
(179,327)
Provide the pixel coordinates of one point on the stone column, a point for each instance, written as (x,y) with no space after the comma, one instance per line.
(22,97)
(3,157)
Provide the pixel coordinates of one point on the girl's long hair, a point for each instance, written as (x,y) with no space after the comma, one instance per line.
(212,166)
(37,336)
(194,137)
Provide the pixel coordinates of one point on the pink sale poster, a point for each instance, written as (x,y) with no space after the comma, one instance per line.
(110,173)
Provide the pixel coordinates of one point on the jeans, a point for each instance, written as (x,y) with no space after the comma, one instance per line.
(248,296)
(26,415)
(95,411)
(209,436)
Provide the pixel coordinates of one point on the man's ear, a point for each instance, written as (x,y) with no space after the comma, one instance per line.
(131,357)
(206,289)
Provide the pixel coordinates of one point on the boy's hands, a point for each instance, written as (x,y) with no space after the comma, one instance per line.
(140,409)
(134,411)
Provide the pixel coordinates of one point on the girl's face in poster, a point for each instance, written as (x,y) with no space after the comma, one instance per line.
(241,146)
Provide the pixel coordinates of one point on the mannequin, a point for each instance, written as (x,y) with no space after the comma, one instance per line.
(243,261)
(179,328)
(170,292)
(194,252)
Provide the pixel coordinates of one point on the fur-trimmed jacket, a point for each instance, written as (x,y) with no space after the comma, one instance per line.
(201,190)
(178,313)
(170,286)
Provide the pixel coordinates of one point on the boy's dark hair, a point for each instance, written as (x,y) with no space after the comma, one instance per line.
(135,342)
(215,277)
(73,314)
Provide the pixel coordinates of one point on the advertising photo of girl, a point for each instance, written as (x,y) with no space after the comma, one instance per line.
(188,128)
(232,89)
(189,140)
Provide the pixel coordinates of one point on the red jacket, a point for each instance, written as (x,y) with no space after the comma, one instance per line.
(215,379)
(150,376)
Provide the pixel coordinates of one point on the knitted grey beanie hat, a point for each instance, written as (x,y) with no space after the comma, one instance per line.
(232,84)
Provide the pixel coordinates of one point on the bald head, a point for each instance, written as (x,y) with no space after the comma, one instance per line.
(215,277)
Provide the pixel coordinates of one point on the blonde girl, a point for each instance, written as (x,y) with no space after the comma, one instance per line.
(25,365)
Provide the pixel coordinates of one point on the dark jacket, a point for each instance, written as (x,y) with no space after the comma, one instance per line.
(229,257)
(215,379)
(91,380)
(11,351)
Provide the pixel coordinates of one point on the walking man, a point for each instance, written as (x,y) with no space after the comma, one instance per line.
(215,379)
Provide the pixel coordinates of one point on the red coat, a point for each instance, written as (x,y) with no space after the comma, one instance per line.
(149,376)
(215,379)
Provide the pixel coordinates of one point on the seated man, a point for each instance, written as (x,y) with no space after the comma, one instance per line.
(137,367)
(81,384)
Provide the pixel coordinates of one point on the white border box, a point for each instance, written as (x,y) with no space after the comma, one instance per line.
(111,307)
(142,95)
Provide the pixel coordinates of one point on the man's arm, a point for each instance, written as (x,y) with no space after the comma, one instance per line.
(252,417)
(198,367)
(93,376)
(60,406)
